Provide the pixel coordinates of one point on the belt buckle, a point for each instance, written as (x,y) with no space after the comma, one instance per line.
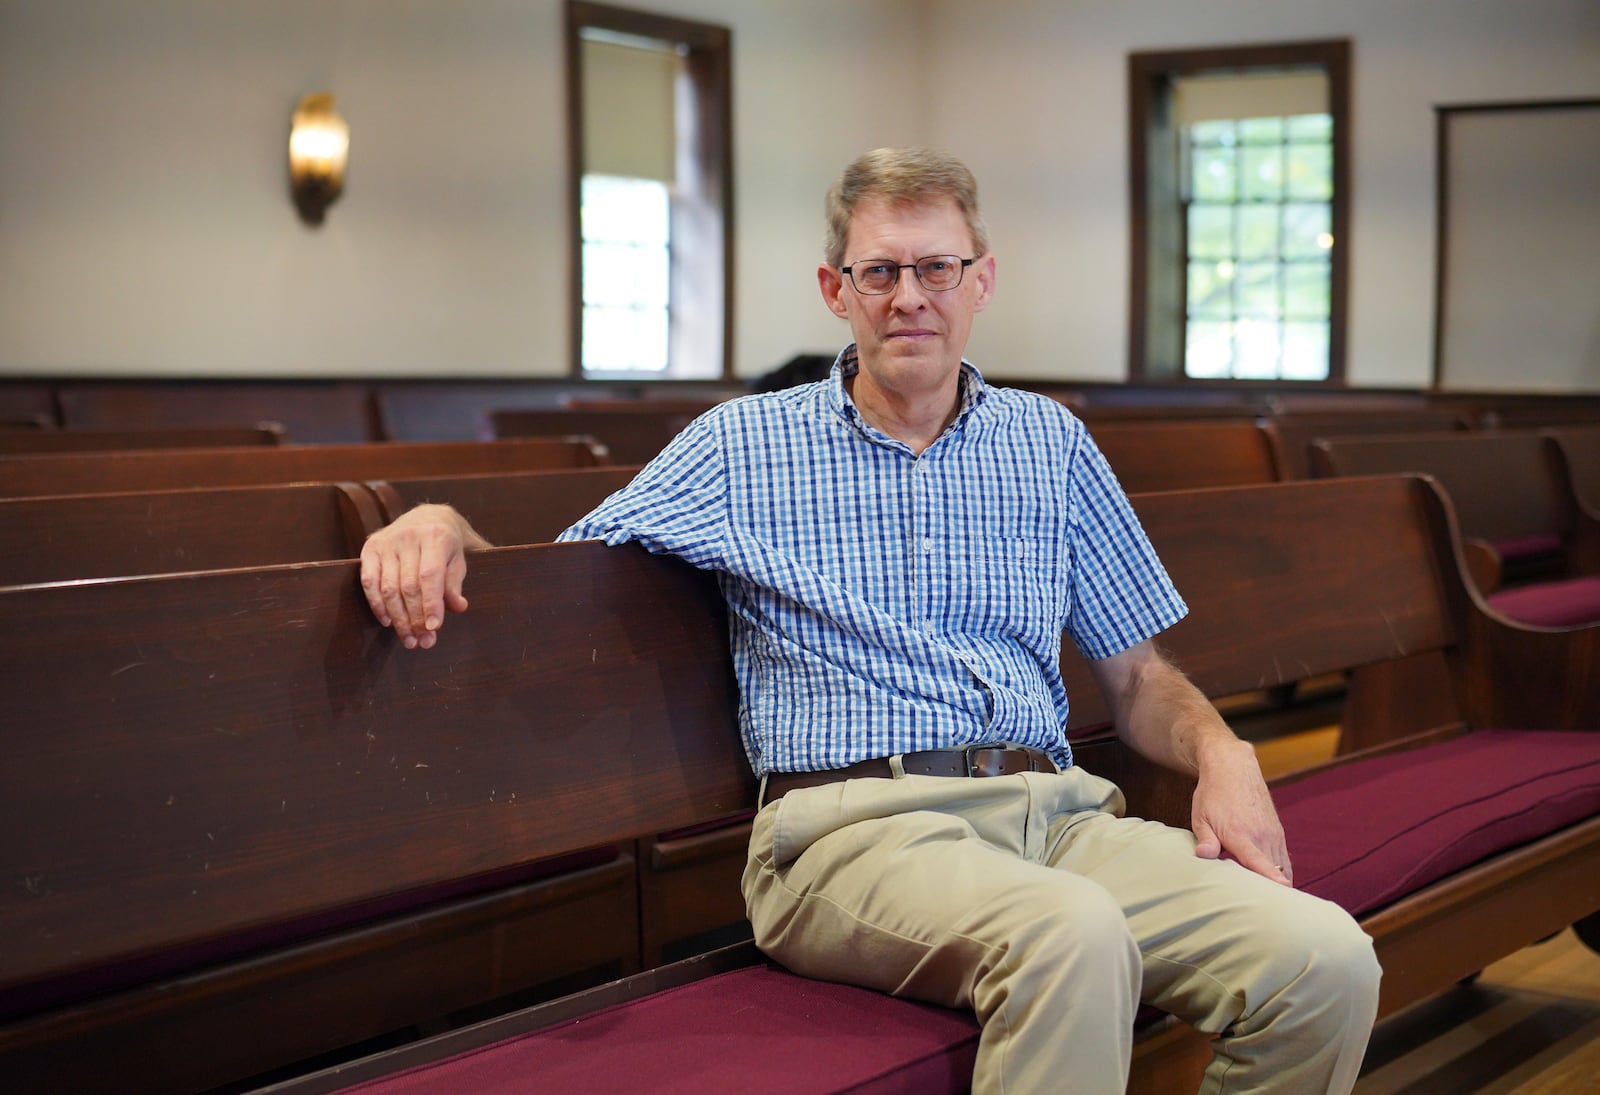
(974,769)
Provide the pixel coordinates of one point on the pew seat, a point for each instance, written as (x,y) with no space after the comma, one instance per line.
(1552,604)
(1362,834)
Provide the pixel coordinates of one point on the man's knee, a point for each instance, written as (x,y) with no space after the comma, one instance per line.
(1082,929)
(1323,949)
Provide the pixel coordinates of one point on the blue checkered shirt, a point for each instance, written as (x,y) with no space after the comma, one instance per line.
(882,602)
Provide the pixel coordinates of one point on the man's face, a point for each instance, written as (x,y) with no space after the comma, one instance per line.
(909,340)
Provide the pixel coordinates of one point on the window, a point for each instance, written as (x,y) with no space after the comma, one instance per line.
(650,126)
(1239,214)
(1258,230)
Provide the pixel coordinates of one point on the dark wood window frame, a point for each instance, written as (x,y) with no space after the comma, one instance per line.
(702,216)
(1157,283)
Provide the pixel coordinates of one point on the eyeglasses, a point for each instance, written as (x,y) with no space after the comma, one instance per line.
(875,277)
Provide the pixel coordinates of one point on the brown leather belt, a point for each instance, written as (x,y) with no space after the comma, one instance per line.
(973,761)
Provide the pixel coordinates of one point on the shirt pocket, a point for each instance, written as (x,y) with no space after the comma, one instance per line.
(1013,585)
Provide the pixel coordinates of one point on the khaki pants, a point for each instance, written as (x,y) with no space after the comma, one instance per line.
(1029,899)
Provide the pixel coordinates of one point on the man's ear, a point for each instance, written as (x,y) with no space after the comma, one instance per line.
(831,282)
(984,269)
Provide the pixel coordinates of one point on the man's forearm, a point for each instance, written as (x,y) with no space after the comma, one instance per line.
(1161,714)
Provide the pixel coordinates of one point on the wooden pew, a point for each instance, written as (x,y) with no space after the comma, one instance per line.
(1294,432)
(509,507)
(1528,548)
(1577,450)
(1513,500)
(65,537)
(27,405)
(176,437)
(80,473)
(633,433)
(324,412)
(1280,581)
(1164,455)
(244,826)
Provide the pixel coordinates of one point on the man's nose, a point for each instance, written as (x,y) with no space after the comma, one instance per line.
(908,294)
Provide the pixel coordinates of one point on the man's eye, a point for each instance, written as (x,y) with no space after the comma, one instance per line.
(877,270)
(936,266)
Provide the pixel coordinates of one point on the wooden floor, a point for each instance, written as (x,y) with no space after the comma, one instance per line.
(1529,1024)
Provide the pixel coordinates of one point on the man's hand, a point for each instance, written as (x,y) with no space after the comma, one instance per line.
(412,572)
(1166,719)
(1232,812)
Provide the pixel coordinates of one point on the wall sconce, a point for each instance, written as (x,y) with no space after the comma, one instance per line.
(319,147)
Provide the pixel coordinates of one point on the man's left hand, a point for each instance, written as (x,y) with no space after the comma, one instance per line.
(1233,813)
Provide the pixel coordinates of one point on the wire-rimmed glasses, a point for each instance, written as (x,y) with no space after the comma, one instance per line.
(937,273)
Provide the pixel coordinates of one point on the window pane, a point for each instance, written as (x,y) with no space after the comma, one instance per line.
(1261,130)
(1258,231)
(1210,349)
(1261,173)
(1216,132)
(1306,291)
(1211,231)
(625,210)
(1305,351)
(1306,229)
(625,276)
(1256,357)
(1309,127)
(1310,171)
(624,340)
(1212,174)
(1211,289)
(1258,289)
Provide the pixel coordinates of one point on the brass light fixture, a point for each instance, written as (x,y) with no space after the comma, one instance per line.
(319,147)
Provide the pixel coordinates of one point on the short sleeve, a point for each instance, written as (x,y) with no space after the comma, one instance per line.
(1120,592)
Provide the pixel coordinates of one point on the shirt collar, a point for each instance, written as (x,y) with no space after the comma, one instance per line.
(972,391)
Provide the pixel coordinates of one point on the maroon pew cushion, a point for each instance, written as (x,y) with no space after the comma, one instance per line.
(1552,604)
(1367,833)
(1363,835)
(1519,549)
(757,1029)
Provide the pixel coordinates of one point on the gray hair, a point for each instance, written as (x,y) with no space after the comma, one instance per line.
(902,177)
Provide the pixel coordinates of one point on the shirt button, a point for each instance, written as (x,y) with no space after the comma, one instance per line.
(927,544)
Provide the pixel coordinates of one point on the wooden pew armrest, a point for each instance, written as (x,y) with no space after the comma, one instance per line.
(1484,566)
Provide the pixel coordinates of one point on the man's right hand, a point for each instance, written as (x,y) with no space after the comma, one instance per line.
(412,572)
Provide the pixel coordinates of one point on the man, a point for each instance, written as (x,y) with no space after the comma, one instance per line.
(901,548)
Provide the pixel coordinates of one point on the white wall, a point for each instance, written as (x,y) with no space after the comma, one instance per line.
(146,229)
(1041,116)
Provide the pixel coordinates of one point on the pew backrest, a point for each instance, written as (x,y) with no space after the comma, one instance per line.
(1151,456)
(175,469)
(509,507)
(1294,432)
(175,437)
(311,411)
(65,537)
(278,757)
(1577,448)
(1503,484)
(1287,581)
(1296,579)
(633,434)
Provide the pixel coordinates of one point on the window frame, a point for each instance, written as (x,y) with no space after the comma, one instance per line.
(702,209)
(1158,282)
